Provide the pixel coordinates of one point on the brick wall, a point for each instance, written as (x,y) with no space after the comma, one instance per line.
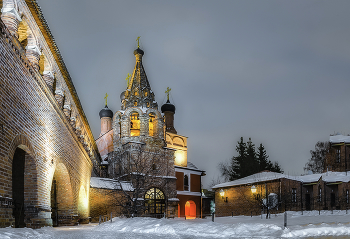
(32,120)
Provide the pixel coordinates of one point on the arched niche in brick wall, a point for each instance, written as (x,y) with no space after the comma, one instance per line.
(24,182)
(62,201)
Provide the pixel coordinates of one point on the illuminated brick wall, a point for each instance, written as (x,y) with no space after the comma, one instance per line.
(103,202)
(53,133)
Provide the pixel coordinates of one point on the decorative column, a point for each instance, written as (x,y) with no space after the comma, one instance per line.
(33,54)
(11,19)
(143,125)
(124,127)
(59,95)
(49,79)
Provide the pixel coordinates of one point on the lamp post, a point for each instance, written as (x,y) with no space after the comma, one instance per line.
(254,189)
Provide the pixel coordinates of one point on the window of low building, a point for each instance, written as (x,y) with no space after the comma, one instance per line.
(186,184)
(294,195)
(338,154)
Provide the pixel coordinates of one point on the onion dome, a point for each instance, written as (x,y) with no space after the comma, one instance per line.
(105,112)
(122,96)
(168,107)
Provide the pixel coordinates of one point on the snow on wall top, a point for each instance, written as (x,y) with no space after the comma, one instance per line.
(339,139)
(328,177)
(107,183)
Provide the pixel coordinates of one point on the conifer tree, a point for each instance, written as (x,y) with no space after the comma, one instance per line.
(248,162)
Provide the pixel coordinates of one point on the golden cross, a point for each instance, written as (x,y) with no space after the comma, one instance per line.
(138,42)
(127,79)
(167,92)
(106,98)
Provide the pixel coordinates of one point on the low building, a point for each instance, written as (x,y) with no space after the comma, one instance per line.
(326,191)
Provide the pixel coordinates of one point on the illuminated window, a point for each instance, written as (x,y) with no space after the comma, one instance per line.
(147,104)
(146,93)
(135,103)
(135,93)
(320,194)
(347,196)
(155,202)
(134,124)
(151,125)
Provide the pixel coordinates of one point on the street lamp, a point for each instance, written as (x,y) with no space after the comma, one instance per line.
(253,189)
(257,197)
(222,194)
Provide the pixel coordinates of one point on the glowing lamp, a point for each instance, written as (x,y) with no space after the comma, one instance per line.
(222,193)
(253,189)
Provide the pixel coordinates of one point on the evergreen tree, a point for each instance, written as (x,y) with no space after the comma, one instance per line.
(248,162)
(262,158)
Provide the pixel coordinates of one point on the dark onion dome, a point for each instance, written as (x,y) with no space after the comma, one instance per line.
(122,96)
(105,112)
(138,51)
(168,107)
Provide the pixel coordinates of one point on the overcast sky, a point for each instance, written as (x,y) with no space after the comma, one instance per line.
(275,71)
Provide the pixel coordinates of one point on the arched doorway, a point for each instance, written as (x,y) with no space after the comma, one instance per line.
(190,210)
(18,187)
(62,204)
(24,187)
(155,202)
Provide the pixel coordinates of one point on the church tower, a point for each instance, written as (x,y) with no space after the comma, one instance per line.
(140,147)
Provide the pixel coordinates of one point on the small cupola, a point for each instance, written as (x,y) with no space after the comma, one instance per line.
(106,112)
(168,107)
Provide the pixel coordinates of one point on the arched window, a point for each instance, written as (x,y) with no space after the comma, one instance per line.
(155,202)
(186,183)
(134,124)
(151,125)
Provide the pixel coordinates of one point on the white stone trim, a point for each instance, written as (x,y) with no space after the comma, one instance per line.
(13,11)
(59,92)
(49,73)
(34,48)
(189,193)
(66,107)
(73,119)
(187,171)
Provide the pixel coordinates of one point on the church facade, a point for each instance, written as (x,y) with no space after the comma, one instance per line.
(140,140)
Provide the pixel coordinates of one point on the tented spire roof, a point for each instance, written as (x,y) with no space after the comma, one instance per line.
(139,92)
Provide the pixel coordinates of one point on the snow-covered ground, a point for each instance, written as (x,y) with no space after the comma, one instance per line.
(310,224)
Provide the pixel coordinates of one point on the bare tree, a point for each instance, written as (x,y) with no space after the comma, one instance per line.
(316,163)
(134,169)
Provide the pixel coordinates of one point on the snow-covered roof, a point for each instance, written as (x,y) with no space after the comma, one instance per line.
(191,166)
(328,177)
(332,177)
(258,177)
(107,183)
(339,138)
